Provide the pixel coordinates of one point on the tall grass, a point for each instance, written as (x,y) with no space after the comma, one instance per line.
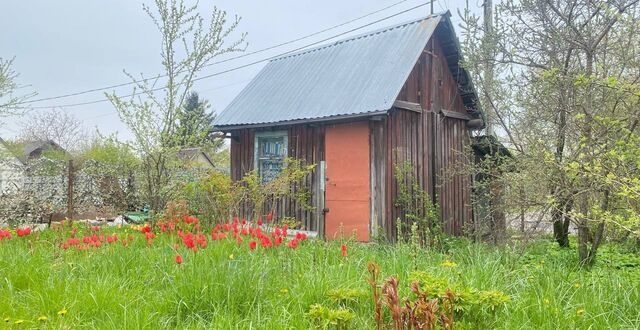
(227,286)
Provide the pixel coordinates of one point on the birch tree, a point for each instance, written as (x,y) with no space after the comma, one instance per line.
(188,43)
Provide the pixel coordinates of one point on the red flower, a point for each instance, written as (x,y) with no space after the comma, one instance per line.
(252,245)
(278,241)
(259,222)
(265,241)
(178,259)
(95,228)
(189,241)
(202,240)
(269,216)
(23,232)
(65,246)
(301,236)
(146,229)
(293,243)
(344,250)
(4,234)
(190,219)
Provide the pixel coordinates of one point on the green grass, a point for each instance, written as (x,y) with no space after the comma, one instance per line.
(140,286)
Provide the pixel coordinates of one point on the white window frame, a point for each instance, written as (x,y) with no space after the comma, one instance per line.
(256,147)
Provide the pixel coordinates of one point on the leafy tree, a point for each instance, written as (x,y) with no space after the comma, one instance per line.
(567,87)
(189,42)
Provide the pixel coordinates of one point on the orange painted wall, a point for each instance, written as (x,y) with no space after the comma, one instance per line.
(347,193)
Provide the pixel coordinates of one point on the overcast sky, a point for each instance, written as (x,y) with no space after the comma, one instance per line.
(67,46)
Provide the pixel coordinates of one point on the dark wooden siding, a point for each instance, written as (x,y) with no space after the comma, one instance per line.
(432,142)
(305,143)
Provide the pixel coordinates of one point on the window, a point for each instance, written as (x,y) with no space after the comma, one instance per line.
(271,150)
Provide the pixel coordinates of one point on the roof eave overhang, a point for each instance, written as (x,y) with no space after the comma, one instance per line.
(332,119)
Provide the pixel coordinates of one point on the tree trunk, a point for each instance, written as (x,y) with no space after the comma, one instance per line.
(561,222)
(587,257)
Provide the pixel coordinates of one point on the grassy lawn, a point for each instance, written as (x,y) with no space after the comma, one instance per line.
(227,285)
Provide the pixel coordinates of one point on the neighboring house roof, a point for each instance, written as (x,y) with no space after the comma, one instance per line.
(32,149)
(195,155)
(358,76)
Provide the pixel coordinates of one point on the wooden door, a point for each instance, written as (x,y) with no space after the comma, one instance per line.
(347,192)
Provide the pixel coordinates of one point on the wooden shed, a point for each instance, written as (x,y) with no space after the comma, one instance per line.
(357,108)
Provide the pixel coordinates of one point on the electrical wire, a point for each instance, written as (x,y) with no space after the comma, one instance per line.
(238,67)
(216,62)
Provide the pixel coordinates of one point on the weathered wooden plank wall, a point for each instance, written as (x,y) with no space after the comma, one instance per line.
(432,142)
(305,143)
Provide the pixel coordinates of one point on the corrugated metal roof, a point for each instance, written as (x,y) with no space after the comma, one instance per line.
(358,75)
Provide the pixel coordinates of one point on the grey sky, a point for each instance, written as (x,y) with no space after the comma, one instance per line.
(73,45)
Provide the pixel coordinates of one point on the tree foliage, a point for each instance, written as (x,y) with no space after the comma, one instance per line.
(565,98)
(189,42)
(58,126)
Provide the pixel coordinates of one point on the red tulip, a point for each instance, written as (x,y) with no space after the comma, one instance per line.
(252,245)
(4,234)
(146,229)
(178,259)
(293,243)
(23,232)
(344,250)
(269,216)
(259,222)
(266,242)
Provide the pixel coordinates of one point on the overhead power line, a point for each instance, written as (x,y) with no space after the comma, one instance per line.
(199,91)
(241,66)
(216,62)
